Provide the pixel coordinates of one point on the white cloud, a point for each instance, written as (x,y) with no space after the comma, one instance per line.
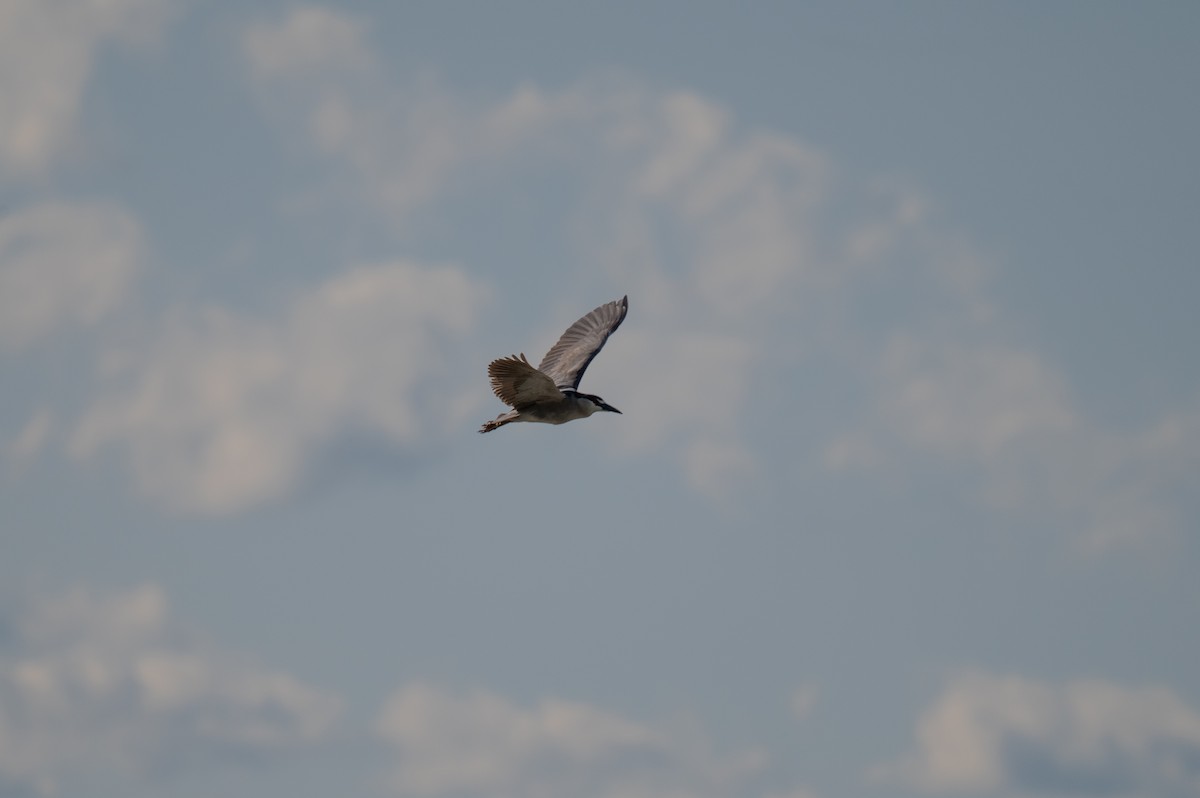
(803,699)
(316,70)
(311,40)
(711,231)
(746,217)
(219,411)
(677,381)
(1030,738)
(47,50)
(106,687)
(476,742)
(32,438)
(696,129)
(1011,417)
(717,468)
(973,401)
(64,264)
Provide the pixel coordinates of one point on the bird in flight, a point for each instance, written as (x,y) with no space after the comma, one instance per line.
(549,394)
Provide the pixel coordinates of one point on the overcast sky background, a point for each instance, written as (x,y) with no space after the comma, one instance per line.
(903,500)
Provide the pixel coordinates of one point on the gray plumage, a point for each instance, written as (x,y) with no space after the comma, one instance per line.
(549,394)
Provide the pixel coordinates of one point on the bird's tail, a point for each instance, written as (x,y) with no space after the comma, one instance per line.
(499,421)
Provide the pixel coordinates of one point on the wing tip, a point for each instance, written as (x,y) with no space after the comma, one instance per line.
(506,360)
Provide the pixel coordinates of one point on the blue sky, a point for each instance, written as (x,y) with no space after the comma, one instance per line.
(902,500)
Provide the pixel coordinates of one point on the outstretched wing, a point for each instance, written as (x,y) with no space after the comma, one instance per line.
(518,384)
(569,358)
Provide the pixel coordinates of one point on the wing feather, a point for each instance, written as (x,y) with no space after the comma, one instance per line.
(518,384)
(566,361)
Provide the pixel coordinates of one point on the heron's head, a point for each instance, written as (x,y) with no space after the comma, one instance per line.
(600,403)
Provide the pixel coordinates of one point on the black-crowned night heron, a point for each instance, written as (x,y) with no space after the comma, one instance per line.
(549,394)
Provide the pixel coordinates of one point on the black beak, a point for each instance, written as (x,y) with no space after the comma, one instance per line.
(610,409)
